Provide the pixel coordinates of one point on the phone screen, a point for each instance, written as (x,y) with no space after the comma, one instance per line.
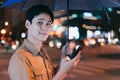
(75,51)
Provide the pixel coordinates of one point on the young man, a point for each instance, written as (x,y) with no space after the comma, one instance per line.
(31,61)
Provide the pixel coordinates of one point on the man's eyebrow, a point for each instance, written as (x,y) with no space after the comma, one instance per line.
(44,19)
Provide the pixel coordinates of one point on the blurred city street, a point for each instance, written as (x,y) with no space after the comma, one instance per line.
(93,24)
(97,63)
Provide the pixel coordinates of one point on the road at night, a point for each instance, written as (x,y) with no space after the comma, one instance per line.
(97,63)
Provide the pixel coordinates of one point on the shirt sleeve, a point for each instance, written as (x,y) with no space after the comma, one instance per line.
(17,70)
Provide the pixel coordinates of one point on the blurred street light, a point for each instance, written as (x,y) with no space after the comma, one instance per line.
(6,23)
(3,31)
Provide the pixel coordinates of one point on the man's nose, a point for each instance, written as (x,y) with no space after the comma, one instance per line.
(44,27)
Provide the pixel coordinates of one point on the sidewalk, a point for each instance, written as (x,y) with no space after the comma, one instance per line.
(4,53)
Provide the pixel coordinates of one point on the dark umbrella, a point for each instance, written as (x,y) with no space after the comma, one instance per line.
(66,5)
(25,4)
(10,2)
(85,4)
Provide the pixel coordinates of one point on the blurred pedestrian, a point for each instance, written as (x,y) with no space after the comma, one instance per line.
(31,60)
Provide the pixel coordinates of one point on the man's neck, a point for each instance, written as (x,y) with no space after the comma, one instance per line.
(36,43)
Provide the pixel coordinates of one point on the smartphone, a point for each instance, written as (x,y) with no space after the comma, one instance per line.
(75,51)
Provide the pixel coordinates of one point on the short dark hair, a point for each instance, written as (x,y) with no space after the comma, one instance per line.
(36,10)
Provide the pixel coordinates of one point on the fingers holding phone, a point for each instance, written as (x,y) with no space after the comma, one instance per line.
(70,50)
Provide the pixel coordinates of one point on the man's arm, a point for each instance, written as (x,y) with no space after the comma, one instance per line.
(65,67)
(16,70)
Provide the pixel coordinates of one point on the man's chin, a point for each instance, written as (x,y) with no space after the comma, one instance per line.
(44,39)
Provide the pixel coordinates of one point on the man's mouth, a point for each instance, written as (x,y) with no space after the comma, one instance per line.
(42,33)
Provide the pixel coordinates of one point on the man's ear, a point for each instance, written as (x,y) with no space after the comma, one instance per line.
(27,23)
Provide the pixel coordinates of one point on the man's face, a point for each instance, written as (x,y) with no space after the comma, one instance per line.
(40,27)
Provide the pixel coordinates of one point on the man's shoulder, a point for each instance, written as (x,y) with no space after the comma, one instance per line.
(20,54)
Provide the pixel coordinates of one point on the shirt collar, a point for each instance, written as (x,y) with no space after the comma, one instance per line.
(30,47)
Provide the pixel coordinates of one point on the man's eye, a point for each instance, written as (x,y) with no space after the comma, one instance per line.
(40,23)
(48,24)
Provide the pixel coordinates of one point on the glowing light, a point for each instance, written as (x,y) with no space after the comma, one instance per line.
(58,33)
(3,31)
(118,12)
(89,34)
(23,35)
(52,33)
(51,44)
(74,15)
(17,43)
(97,33)
(84,25)
(55,27)
(14,47)
(87,14)
(110,9)
(58,44)
(6,23)
(73,33)
(3,41)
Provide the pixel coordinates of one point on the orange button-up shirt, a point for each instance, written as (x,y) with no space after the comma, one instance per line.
(28,63)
